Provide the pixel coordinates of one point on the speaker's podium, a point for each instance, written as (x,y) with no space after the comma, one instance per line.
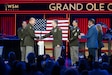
(40,47)
(44,47)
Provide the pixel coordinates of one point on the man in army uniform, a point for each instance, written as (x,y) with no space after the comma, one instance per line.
(74,43)
(29,36)
(57,38)
(21,37)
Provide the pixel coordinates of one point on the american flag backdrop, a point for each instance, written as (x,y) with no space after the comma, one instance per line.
(44,26)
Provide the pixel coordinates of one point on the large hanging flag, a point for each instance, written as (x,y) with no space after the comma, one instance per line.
(44,26)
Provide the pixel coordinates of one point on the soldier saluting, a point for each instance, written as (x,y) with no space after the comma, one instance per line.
(57,38)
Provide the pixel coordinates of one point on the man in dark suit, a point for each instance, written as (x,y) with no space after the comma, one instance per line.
(57,38)
(74,42)
(29,36)
(21,37)
(92,35)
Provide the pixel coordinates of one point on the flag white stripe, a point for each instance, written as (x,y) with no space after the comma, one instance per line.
(63,35)
(50,28)
(50,21)
(38,32)
(64,24)
(52,39)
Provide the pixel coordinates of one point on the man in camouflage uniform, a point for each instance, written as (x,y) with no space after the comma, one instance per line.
(74,43)
(21,37)
(57,38)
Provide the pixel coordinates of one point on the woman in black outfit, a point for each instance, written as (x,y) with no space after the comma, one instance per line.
(100,38)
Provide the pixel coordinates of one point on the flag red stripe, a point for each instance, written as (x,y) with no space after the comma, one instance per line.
(58,22)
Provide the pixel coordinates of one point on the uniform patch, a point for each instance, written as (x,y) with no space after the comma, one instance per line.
(75,34)
(73,30)
(55,30)
(30,27)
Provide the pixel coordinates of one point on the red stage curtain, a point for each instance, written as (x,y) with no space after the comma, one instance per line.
(7,25)
(83,24)
(105,21)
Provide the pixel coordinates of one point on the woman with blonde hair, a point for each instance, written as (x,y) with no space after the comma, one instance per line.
(100,38)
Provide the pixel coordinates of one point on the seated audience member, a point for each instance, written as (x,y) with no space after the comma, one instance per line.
(4,69)
(90,61)
(31,62)
(38,73)
(110,70)
(105,58)
(97,70)
(105,66)
(71,71)
(110,62)
(48,66)
(20,68)
(31,58)
(11,57)
(85,72)
(46,56)
(61,62)
(55,69)
(39,63)
(83,65)
(12,60)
